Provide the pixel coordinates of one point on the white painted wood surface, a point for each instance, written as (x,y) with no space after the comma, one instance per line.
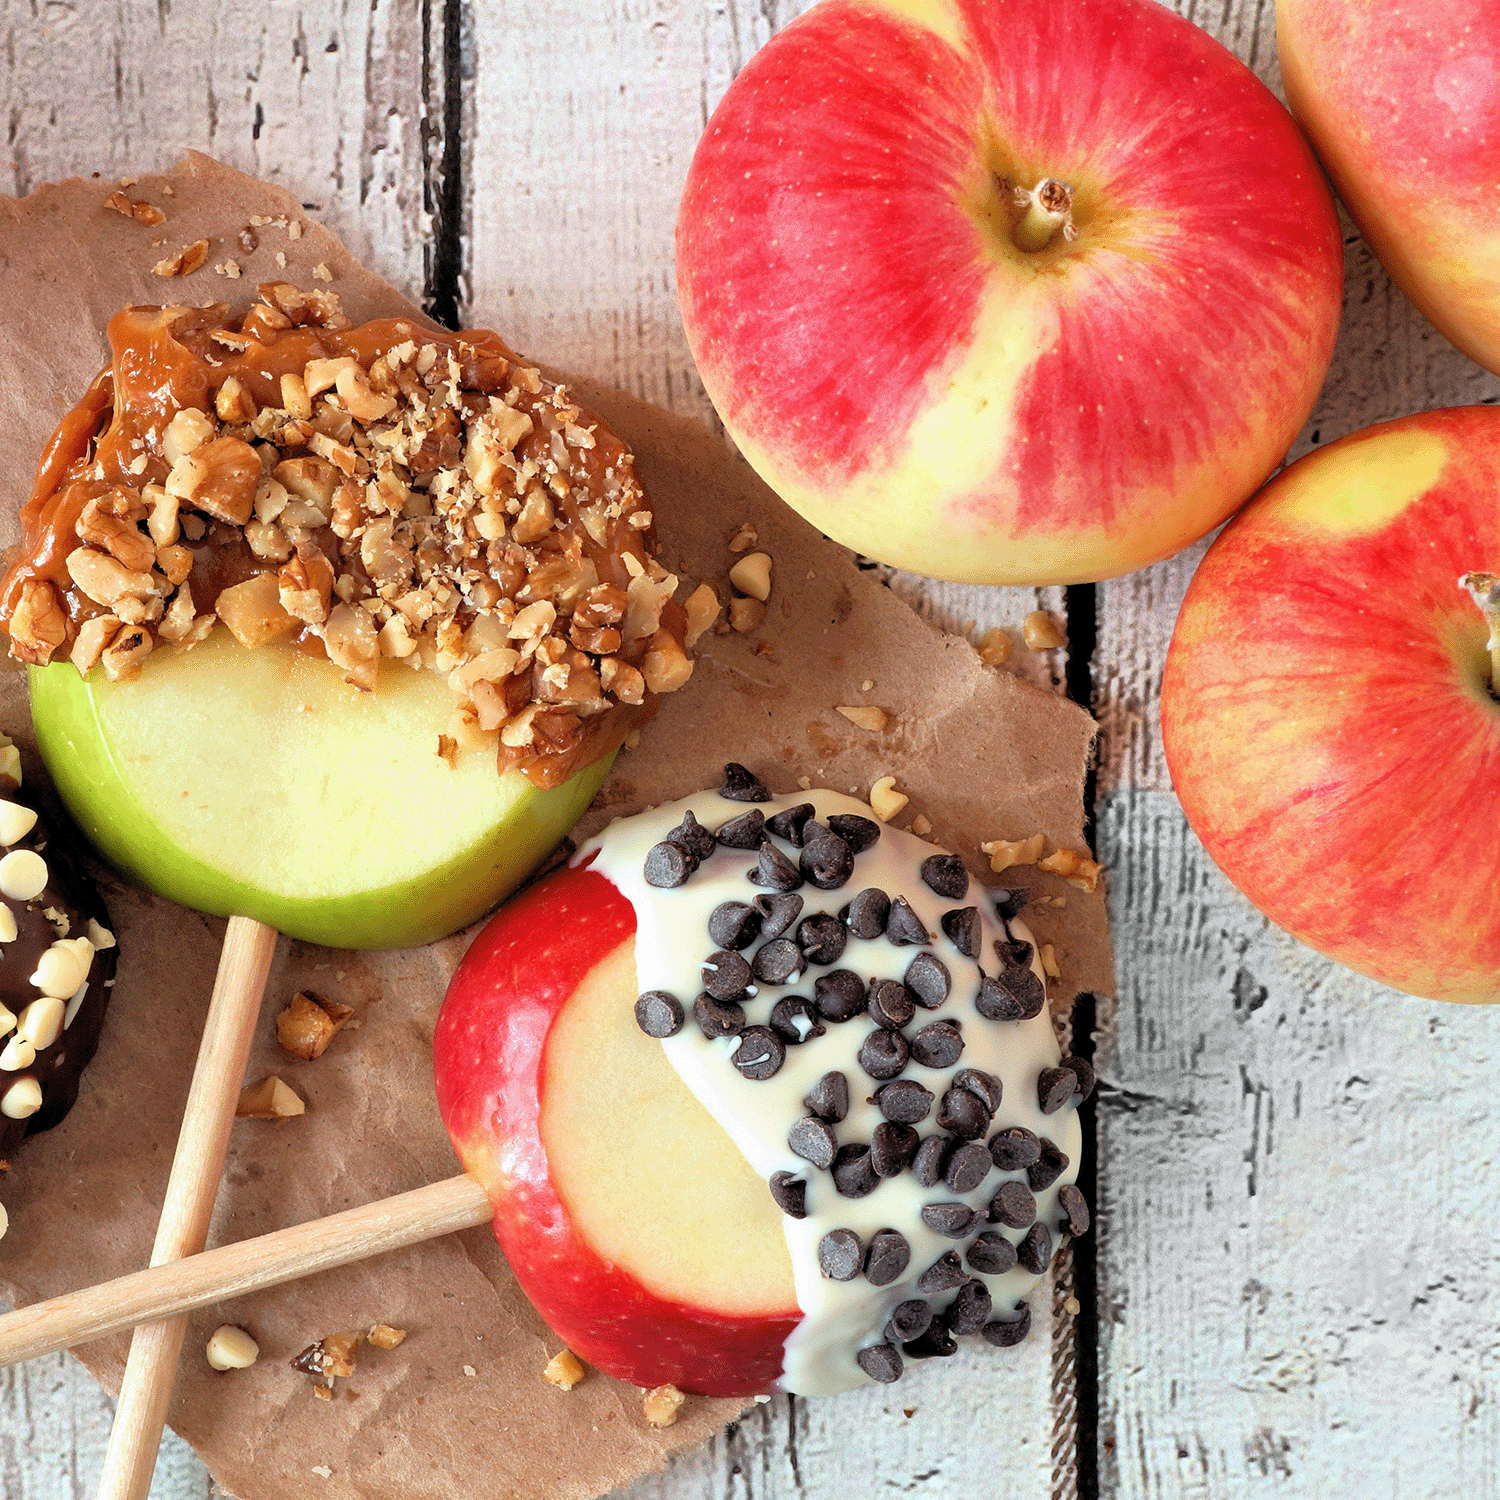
(1297,1274)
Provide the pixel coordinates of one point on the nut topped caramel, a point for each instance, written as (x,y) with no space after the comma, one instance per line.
(381,492)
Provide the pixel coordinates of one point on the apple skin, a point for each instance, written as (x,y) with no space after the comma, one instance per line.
(928,393)
(1326,704)
(489,1053)
(1402,103)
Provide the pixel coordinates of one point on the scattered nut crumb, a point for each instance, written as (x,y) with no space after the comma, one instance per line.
(322,273)
(866,716)
(1072,1306)
(294,230)
(995,647)
(805,782)
(322,1393)
(331,1358)
(270,1099)
(229,268)
(138,209)
(745,614)
(633,738)
(744,538)
(1077,869)
(184,262)
(309,1023)
(470,1371)
(281,260)
(885,800)
(1041,632)
(867,684)
(702,610)
(661,1404)
(447,749)
(1048,956)
(752,575)
(383,1336)
(231,1348)
(1004,853)
(563,1370)
(921,826)
(322,1471)
(248,240)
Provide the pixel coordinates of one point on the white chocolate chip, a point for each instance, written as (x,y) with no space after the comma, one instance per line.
(41,1022)
(231,1348)
(15,822)
(22,1099)
(23,875)
(63,967)
(75,1001)
(7,1021)
(100,937)
(4,1221)
(8,927)
(752,575)
(10,763)
(17,1053)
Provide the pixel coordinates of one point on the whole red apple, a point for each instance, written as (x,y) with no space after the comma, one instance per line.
(1402,103)
(1020,291)
(1329,707)
(613,1187)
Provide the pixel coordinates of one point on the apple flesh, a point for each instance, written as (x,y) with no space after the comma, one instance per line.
(948,383)
(1329,710)
(1402,103)
(258,783)
(630,1218)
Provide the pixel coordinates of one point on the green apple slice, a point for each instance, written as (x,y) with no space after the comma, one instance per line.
(258,783)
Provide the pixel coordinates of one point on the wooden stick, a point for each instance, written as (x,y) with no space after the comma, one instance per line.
(151,1370)
(249,1266)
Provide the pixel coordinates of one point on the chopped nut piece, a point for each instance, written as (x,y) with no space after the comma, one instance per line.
(1077,869)
(866,716)
(105,580)
(270,1099)
(1004,853)
(331,1358)
(123,656)
(885,800)
(219,478)
(702,610)
(138,209)
(921,826)
(661,1405)
(93,636)
(231,1348)
(995,647)
(184,262)
(1041,632)
(745,614)
(563,1370)
(309,1023)
(252,610)
(234,403)
(38,626)
(745,537)
(752,575)
(1048,956)
(383,1336)
(352,643)
(665,666)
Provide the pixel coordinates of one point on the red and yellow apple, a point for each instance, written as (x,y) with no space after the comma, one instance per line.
(630,1218)
(1330,709)
(1402,103)
(951,381)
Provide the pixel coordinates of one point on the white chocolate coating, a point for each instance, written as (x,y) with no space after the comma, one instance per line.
(672,941)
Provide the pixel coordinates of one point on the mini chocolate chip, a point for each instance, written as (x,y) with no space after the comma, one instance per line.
(774,869)
(839,996)
(718,1018)
(788,825)
(1004,1333)
(880,1362)
(741,785)
(937,1045)
(1034,1253)
(659,1014)
(866,914)
(1055,1087)
(883,1053)
(970,1309)
(828,1098)
(694,837)
(1015,1148)
(840,1254)
(777,913)
(887,1258)
(827,861)
(813,1140)
(936,1342)
(954,1221)
(732,924)
(966,1168)
(909,1320)
(790,1193)
(928,979)
(1010,903)
(726,976)
(668,866)
(892,1147)
(1014,994)
(931,1158)
(963,1114)
(859,833)
(760,1053)
(1075,1210)
(964,929)
(822,938)
(795,1020)
(903,926)
(991,1254)
(1013,1205)
(1084,1073)
(1048,1167)
(853,1172)
(778,962)
(942,1275)
(905,1101)
(984,1086)
(748,831)
(890,1004)
(945,874)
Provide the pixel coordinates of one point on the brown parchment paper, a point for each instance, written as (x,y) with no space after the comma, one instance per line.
(460,1407)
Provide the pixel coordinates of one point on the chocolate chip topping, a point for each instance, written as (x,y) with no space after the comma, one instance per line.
(937,1342)
(741,785)
(880,1362)
(1006,1333)
(840,1254)
(883,1053)
(966,1168)
(945,874)
(853,1172)
(1015,1148)
(890,1004)
(937,1045)
(954,1221)
(905,1101)
(813,1140)
(777,913)
(1055,1087)
(1034,1253)
(732,924)
(931,1158)
(984,1086)
(691,835)
(1049,1166)
(964,930)
(828,1098)
(1014,994)
(760,1053)
(718,1018)
(887,1258)
(1075,1210)
(827,861)
(659,1014)
(942,1275)
(788,825)
(790,1194)
(1013,1205)
(892,1147)
(866,914)
(1010,903)
(668,866)
(748,831)
(778,962)
(909,1320)
(795,1020)
(991,1254)
(903,926)
(822,938)
(1085,1075)
(839,996)
(775,870)
(859,833)
(964,1114)
(927,977)
(726,976)
(970,1309)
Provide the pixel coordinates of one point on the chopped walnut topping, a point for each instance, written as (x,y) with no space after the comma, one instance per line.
(1041,632)
(383,1336)
(661,1405)
(1077,869)
(995,647)
(745,614)
(563,1370)
(270,1099)
(1004,853)
(744,538)
(184,262)
(138,209)
(309,1023)
(331,1358)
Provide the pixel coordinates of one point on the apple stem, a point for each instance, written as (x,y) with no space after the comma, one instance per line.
(1048,207)
(1485,590)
